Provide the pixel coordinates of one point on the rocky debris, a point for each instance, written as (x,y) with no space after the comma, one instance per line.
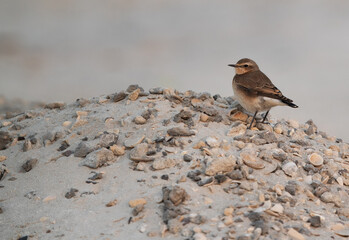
(3,171)
(71,193)
(55,105)
(220,164)
(84,148)
(108,139)
(180,132)
(29,164)
(119,96)
(282,180)
(5,139)
(133,141)
(98,158)
(139,153)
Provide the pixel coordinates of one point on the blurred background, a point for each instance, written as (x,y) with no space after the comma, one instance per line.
(64,50)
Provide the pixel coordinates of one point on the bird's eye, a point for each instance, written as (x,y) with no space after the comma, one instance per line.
(245,65)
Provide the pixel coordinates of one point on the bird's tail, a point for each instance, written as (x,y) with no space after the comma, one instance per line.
(288,102)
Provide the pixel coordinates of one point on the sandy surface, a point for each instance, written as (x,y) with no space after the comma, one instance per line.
(282,180)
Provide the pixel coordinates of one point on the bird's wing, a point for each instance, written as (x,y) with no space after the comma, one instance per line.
(259,84)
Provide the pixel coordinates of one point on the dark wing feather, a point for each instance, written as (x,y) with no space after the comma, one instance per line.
(258,83)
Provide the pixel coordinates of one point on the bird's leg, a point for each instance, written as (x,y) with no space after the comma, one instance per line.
(254,116)
(265,116)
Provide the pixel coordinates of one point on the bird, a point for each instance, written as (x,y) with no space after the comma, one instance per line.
(254,91)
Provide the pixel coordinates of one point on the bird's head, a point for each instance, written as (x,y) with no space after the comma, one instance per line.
(244,65)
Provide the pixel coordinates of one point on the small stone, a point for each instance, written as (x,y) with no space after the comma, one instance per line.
(108,139)
(139,153)
(134,95)
(27,145)
(278,208)
(84,148)
(140,120)
(235,175)
(228,220)
(251,160)
(66,123)
(278,129)
(174,225)
(204,117)
(177,195)
(315,221)
(237,130)
(292,233)
(29,164)
(187,157)
(239,116)
(137,209)
(5,138)
(199,236)
(117,150)
(290,169)
(119,96)
(293,123)
(49,198)
(111,203)
(2,158)
(180,131)
(316,159)
(134,87)
(3,171)
(205,181)
(199,145)
(98,158)
(135,202)
(328,197)
(161,163)
(55,105)
(157,90)
(222,164)
(133,141)
(71,193)
(212,142)
(228,211)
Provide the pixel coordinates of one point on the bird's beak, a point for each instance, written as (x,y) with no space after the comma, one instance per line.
(232,65)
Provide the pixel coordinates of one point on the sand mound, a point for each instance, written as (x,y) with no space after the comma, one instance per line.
(165,164)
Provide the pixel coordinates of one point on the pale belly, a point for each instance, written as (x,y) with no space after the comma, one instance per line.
(254,104)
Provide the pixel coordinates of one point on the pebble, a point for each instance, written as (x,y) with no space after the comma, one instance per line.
(135,202)
(238,116)
(3,171)
(29,164)
(133,141)
(55,105)
(294,235)
(252,161)
(316,159)
(177,195)
(157,90)
(71,193)
(174,226)
(222,164)
(212,142)
(293,123)
(139,153)
(2,158)
(315,221)
(237,130)
(98,158)
(278,208)
(119,96)
(180,131)
(134,95)
(142,228)
(199,236)
(228,220)
(5,139)
(187,157)
(108,139)
(290,169)
(278,129)
(228,211)
(117,150)
(49,198)
(140,120)
(111,203)
(84,148)
(161,163)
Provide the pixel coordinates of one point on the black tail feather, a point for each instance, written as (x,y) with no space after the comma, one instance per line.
(289,102)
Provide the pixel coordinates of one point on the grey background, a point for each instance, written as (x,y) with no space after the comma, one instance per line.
(63,50)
